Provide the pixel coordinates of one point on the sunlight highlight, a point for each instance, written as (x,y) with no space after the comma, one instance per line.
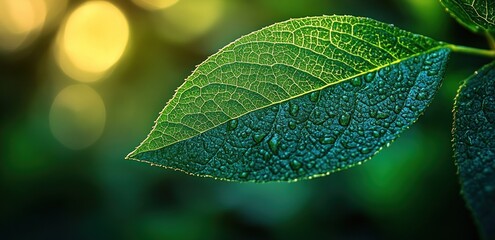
(77,116)
(20,22)
(92,40)
(155,4)
(189,19)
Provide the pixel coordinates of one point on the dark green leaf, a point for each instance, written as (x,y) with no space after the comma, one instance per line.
(477,15)
(474,145)
(298,99)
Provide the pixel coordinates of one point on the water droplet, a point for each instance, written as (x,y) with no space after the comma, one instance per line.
(356,82)
(223,168)
(381,115)
(344,119)
(313,97)
(431,73)
(244,134)
(283,146)
(265,155)
(397,109)
(376,134)
(232,125)
(365,150)
(273,144)
(327,140)
(369,77)
(294,164)
(347,144)
(292,125)
(421,96)
(258,137)
(293,109)
(243,175)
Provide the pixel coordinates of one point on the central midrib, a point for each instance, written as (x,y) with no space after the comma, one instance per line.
(441,46)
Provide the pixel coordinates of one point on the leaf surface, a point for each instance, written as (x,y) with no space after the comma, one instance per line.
(474,145)
(477,15)
(297,99)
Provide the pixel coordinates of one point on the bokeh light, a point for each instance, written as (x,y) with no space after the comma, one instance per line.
(20,22)
(55,10)
(92,40)
(155,4)
(77,116)
(189,19)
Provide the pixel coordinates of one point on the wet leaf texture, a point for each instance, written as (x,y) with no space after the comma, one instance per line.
(474,145)
(477,15)
(297,99)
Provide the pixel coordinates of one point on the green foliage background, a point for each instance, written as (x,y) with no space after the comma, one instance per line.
(408,191)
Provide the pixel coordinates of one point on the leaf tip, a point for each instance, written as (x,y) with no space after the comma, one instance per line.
(132,155)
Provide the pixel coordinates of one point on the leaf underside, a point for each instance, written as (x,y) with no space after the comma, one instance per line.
(297,99)
(474,146)
(477,15)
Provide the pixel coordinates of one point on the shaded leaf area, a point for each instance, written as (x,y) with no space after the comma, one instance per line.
(314,134)
(477,15)
(474,145)
(278,63)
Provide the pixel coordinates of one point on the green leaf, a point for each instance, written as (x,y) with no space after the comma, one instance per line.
(477,15)
(296,100)
(474,145)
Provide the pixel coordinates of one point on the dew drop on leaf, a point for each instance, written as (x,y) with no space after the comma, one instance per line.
(232,125)
(295,165)
(369,77)
(273,143)
(293,109)
(314,96)
(292,125)
(327,140)
(421,96)
(258,137)
(356,82)
(344,119)
(365,150)
(381,115)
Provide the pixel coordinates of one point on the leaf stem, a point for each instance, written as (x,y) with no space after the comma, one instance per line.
(472,51)
(490,39)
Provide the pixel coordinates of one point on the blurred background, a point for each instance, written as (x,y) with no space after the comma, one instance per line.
(81,83)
